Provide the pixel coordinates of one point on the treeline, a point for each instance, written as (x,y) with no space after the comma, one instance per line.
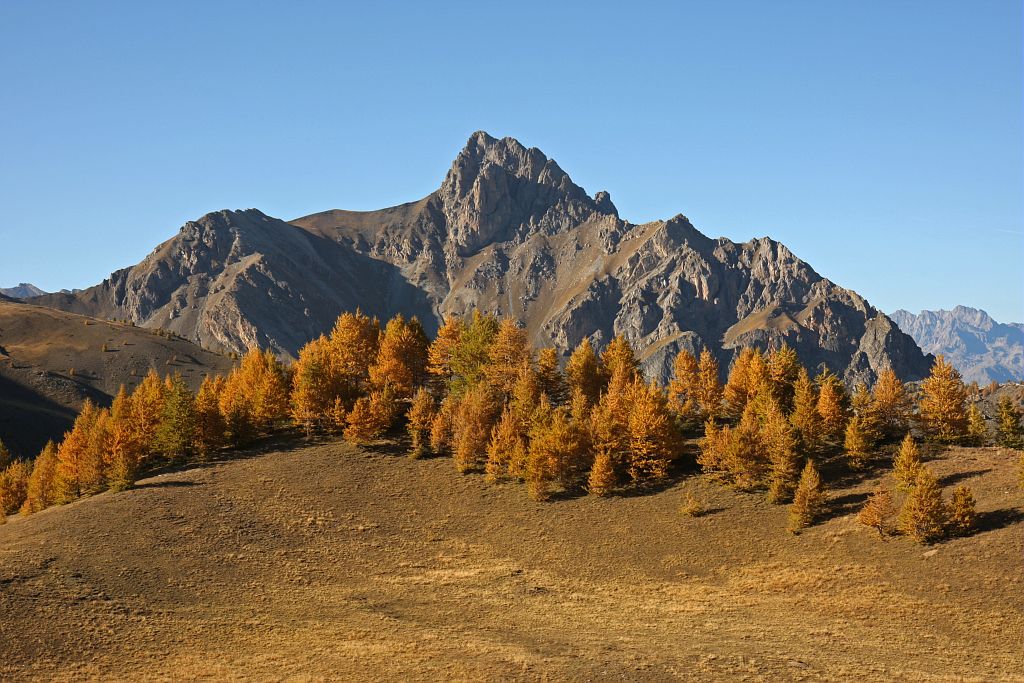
(481,394)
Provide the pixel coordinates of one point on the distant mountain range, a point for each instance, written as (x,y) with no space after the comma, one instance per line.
(507,232)
(22,291)
(981,348)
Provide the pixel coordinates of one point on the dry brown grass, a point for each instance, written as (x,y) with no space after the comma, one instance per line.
(328,562)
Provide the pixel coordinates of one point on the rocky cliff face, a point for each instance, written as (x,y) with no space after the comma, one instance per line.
(507,232)
(981,348)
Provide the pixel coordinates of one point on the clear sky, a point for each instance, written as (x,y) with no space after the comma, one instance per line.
(880,140)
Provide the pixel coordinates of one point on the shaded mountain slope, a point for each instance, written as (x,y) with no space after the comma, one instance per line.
(50,361)
(982,349)
(507,232)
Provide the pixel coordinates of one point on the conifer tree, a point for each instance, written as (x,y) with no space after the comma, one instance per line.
(783,371)
(1008,419)
(210,424)
(442,426)
(602,478)
(176,432)
(507,355)
(401,357)
(337,416)
(609,419)
(832,406)
(943,409)
(924,515)
(805,418)
(977,430)
(314,386)
(708,391)
(892,404)
(353,344)
(653,440)
(682,390)
(472,426)
(79,460)
(809,501)
(420,417)
(147,403)
(862,405)
(13,487)
(619,356)
(714,447)
(362,423)
(878,510)
(552,383)
(41,491)
(746,460)
(442,351)
(963,517)
(555,453)
(507,445)
(583,372)
(857,443)
(780,442)
(738,385)
(125,450)
(255,396)
(906,464)
(473,353)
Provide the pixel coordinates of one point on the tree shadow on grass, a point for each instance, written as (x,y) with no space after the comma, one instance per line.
(955,477)
(991,520)
(166,484)
(840,506)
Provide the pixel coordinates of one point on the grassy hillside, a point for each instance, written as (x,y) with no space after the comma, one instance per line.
(50,361)
(325,560)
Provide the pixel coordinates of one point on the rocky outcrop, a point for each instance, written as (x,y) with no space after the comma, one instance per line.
(982,349)
(507,232)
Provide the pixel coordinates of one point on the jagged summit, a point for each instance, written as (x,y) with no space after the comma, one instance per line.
(509,232)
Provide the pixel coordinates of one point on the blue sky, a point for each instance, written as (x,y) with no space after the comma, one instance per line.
(880,140)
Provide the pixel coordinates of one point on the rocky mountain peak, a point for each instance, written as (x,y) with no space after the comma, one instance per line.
(500,190)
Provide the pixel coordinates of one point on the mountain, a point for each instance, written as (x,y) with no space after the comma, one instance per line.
(22,291)
(509,232)
(982,349)
(51,361)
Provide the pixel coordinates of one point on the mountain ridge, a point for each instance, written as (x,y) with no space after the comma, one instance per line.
(507,231)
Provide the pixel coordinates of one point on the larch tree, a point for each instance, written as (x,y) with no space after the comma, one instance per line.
(176,432)
(147,407)
(943,407)
(1008,421)
(682,389)
(780,443)
(977,430)
(442,351)
(313,391)
(924,515)
(963,515)
(906,464)
(857,443)
(878,510)
(783,371)
(210,424)
(810,500)
(832,406)
(443,426)
(619,356)
(552,383)
(862,406)
(507,355)
(583,372)
(738,385)
(41,491)
(609,420)
(506,447)
(805,417)
(708,391)
(653,440)
(13,487)
(79,461)
(474,419)
(420,418)
(556,452)
(371,416)
(892,404)
(745,458)
(471,356)
(602,479)
(125,451)
(353,343)
(401,357)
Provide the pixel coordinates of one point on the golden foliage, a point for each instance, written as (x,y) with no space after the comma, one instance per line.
(618,356)
(708,391)
(857,443)
(924,515)
(420,417)
(780,442)
(892,404)
(507,355)
(401,358)
(41,491)
(809,501)
(556,453)
(805,417)
(906,464)
(653,439)
(550,378)
(13,487)
(472,427)
(963,516)
(583,372)
(878,510)
(832,406)
(943,409)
